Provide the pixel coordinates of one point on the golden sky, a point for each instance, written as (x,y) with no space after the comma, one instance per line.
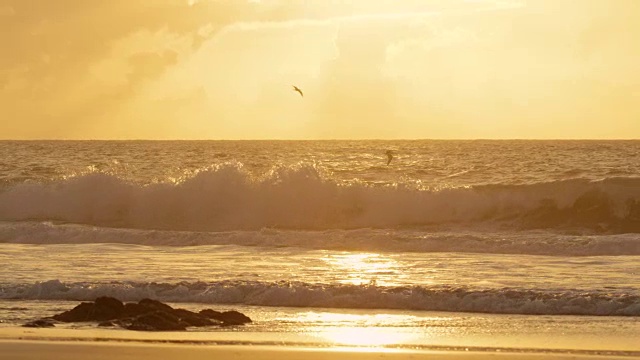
(386,69)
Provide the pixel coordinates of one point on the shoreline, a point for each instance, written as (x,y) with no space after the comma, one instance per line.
(33,343)
(54,350)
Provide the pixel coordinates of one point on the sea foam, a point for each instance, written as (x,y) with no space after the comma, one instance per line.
(370,296)
(300,197)
(533,242)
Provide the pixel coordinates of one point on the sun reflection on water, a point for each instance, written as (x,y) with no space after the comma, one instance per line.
(365,336)
(360,330)
(364,268)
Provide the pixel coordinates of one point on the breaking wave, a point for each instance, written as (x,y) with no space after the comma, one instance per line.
(299,294)
(302,197)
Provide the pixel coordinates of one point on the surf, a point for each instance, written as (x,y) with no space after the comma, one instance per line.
(304,197)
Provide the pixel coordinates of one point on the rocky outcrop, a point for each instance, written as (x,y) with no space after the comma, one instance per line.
(146,315)
(227,317)
(104,308)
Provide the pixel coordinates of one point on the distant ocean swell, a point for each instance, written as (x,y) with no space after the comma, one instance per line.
(296,294)
(532,242)
(228,198)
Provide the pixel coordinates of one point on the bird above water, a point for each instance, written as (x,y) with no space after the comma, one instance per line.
(295,88)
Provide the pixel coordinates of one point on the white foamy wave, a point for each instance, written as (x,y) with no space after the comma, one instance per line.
(377,240)
(299,197)
(298,294)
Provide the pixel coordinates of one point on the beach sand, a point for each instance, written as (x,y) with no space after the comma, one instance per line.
(53,344)
(51,350)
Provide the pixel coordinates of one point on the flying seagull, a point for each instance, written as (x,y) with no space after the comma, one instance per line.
(295,88)
(389,156)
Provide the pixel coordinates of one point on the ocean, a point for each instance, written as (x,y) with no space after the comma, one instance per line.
(322,242)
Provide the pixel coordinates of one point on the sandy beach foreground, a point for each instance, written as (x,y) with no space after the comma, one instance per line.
(51,350)
(54,344)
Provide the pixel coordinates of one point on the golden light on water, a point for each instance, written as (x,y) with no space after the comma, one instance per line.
(364,268)
(360,330)
(366,336)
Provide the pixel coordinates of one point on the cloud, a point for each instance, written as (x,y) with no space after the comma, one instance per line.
(224,69)
(86,58)
(538,72)
(6,10)
(414,15)
(119,66)
(438,38)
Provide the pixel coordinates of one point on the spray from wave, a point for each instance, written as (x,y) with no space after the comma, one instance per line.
(302,197)
(367,296)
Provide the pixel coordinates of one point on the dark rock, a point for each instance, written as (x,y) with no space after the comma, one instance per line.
(234,318)
(145,306)
(169,316)
(79,313)
(107,308)
(212,314)
(147,315)
(227,318)
(155,304)
(42,323)
(193,319)
(104,308)
(134,309)
(156,322)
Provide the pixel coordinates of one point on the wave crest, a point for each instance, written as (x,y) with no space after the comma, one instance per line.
(298,294)
(303,197)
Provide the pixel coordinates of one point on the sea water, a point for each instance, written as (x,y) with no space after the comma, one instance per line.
(323,242)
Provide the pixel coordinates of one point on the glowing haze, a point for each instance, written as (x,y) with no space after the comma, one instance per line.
(214,69)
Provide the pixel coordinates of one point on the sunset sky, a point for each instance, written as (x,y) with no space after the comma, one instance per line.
(386,69)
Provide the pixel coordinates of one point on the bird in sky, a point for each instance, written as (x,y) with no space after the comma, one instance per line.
(389,156)
(295,88)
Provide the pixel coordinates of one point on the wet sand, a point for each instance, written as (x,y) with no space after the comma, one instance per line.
(17,343)
(63,350)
